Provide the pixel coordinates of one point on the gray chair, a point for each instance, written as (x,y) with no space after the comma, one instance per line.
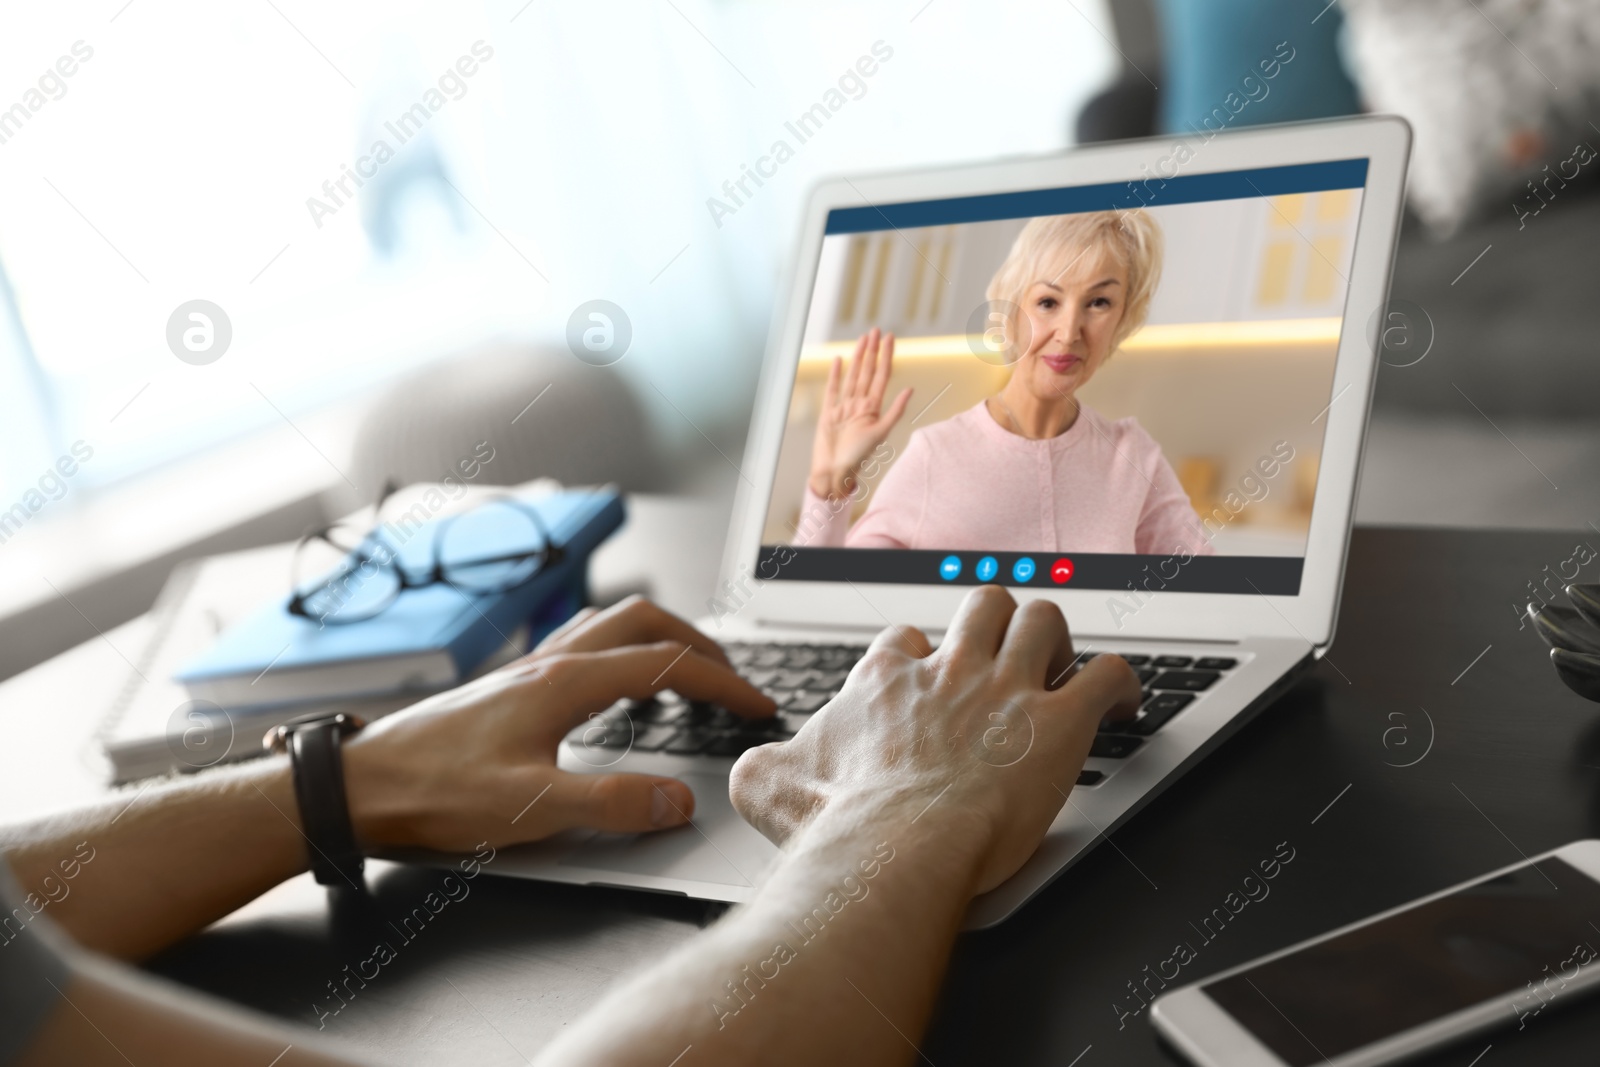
(545,414)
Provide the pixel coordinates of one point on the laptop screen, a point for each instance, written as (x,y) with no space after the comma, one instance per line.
(1118,386)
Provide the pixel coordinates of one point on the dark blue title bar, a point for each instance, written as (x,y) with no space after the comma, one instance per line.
(1110,196)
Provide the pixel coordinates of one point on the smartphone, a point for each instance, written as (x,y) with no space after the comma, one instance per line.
(1489,952)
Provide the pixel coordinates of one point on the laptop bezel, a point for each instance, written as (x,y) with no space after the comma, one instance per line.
(1383,140)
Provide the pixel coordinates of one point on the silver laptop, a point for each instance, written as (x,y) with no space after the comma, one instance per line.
(1241,402)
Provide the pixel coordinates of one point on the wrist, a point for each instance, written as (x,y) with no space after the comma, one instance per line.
(380,799)
(926,831)
(826,483)
(821,485)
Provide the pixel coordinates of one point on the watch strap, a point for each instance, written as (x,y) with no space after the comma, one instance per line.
(317,763)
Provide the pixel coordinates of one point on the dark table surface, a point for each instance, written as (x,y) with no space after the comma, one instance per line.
(1434,744)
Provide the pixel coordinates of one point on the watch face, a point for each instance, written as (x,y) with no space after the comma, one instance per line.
(277,738)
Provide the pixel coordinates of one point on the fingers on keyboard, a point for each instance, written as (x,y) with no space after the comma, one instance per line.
(1171,683)
(803,678)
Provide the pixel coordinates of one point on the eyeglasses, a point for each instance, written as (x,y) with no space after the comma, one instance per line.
(344,575)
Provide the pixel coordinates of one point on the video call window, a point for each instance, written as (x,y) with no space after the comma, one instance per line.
(1183,332)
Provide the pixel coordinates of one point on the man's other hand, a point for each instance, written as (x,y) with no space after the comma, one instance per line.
(984,737)
(478,763)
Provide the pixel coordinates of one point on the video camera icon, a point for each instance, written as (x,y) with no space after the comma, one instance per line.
(950,568)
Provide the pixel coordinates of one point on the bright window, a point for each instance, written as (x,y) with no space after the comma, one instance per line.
(578,159)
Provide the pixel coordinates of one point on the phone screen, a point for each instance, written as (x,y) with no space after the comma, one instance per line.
(1521,936)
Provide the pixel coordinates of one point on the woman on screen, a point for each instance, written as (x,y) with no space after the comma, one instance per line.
(1030,469)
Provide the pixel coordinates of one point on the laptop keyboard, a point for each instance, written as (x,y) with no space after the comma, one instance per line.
(801,678)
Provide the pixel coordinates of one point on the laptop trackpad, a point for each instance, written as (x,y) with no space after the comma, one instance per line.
(718,846)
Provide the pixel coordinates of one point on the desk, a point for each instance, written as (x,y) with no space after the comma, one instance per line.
(1513,768)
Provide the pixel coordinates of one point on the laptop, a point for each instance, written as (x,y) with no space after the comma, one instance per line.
(1243,396)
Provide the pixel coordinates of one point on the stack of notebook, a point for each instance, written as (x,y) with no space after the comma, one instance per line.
(227,661)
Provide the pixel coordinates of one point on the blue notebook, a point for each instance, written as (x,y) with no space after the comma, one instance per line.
(429,638)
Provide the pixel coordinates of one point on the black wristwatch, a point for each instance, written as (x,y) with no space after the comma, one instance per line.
(317,765)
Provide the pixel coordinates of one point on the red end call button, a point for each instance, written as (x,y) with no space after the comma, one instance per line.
(1061,570)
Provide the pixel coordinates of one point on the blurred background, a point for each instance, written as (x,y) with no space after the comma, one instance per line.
(383,309)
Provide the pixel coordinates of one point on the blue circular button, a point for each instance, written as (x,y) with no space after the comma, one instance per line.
(1023,569)
(987,568)
(950,568)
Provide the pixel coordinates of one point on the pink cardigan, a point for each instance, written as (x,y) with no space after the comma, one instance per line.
(967,483)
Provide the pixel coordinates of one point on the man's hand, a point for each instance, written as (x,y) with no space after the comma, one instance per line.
(472,765)
(986,735)
(930,778)
(479,763)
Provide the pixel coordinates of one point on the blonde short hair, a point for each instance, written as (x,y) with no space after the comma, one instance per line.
(1131,236)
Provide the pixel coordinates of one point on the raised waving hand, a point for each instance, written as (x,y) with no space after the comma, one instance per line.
(853,421)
